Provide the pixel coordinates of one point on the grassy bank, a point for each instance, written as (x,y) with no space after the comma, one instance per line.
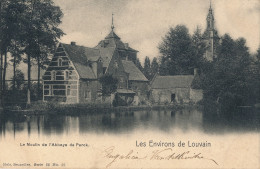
(40,108)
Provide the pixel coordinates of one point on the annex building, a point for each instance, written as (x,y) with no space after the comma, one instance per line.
(175,89)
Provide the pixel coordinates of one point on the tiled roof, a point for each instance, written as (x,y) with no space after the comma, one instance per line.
(134,72)
(112,40)
(168,82)
(80,55)
(112,34)
(106,55)
(125,91)
(85,72)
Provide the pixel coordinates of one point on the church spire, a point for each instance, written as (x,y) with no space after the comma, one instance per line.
(210,35)
(210,18)
(112,25)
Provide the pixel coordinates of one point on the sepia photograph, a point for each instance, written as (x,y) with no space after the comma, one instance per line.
(130,84)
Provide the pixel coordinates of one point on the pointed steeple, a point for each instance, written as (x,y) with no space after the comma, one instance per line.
(210,18)
(112,33)
(112,25)
(210,35)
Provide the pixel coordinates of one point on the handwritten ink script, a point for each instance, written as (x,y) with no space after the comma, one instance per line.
(165,154)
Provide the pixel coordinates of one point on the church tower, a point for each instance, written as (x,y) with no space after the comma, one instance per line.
(210,36)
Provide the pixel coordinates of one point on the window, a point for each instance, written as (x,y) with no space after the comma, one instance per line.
(53,75)
(121,82)
(104,70)
(173,97)
(59,62)
(66,75)
(51,90)
(116,65)
(87,94)
(68,90)
(48,90)
(121,79)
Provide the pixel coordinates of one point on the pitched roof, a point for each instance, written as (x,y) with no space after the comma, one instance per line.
(169,82)
(112,34)
(85,72)
(106,55)
(112,40)
(125,91)
(80,55)
(134,73)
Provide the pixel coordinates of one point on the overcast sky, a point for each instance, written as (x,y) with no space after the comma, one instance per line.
(143,23)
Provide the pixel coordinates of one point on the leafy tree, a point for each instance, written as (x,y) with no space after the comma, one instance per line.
(199,47)
(177,52)
(42,19)
(229,82)
(1,56)
(16,53)
(30,27)
(42,62)
(258,56)
(18,82)
(255,73)
(11,27)
(196,83)
(138,65)
(147,67)
(109,84)
(154,67)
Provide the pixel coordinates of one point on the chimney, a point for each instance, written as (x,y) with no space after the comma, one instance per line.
(195,71)
(73,43)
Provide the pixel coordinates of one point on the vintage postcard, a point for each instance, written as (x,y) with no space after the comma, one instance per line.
(130,84)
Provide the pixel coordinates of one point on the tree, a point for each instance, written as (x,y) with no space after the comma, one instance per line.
(177,52)
(16,52)
(1,55)
(18,82)
(42,32)
(138,65)
(258,55)
(154,67)
(11,21)
(258,74)
(230,82)
(199,47)
(109,84)
(147,67)
(12,24)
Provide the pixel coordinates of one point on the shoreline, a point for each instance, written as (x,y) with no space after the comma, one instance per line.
(91,109)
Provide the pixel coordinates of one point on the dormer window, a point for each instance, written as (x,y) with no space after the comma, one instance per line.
(59,62)
(116,64)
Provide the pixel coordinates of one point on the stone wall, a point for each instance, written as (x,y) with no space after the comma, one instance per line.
(182,95)
(88,91)
(140,87)
(196,95)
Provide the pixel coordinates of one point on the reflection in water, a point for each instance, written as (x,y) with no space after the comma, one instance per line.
(243,120)
(125,122)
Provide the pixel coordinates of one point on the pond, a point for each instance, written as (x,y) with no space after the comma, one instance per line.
(129,129)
